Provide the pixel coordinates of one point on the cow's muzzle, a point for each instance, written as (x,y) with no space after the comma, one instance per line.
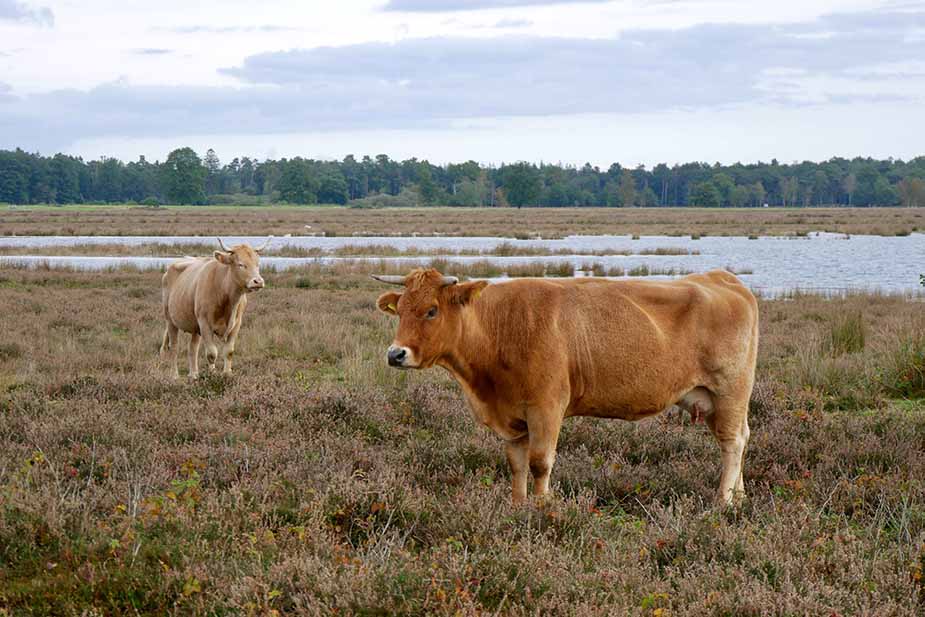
(398,356)
(255,284)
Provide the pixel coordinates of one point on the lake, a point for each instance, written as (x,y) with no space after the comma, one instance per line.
(819,262)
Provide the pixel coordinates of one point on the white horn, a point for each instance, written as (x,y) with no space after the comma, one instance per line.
(391,279)
(222,244)
(448,280)
(264,245)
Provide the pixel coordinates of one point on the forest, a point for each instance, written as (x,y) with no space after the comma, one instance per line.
(186,178)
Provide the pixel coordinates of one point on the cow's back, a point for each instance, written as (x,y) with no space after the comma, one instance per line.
(628,347)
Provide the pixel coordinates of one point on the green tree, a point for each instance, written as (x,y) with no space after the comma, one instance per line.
(522,185)
(849,185)
(184,177)
(213,172)
(911,192)
(739,196)
(757,194)
(627,189)
(297,182)
(705,195)
(725,185)
(333,187)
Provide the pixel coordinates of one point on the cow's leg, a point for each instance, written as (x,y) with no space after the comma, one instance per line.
(194,341)
(729,423)
(228,348)
(740,483)
(543,435)
(210,341)
(169,345)
(517,457)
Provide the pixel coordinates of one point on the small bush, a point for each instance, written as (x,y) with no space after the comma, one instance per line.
(846,335)
(10,351)
(903,373)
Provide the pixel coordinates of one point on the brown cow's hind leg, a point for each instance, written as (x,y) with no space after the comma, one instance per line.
(729,423)
(517,457)
(543,435)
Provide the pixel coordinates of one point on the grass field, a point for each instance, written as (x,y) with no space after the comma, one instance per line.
(507,222)
(316,480)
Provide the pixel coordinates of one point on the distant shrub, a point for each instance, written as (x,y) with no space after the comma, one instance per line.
(408,198)
(150,201)
(236,199)
(846,335)
(562,268)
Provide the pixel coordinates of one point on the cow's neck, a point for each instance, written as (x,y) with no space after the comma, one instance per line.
(473,352)
(230,287)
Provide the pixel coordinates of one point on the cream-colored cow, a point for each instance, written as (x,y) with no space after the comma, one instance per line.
(206,296)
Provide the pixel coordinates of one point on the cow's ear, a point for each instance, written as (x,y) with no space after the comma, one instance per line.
(388,302)
(223,257)
(465,293)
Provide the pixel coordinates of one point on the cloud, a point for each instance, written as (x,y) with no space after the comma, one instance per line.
(443,6)
(418,83)
(266,28)
(6,92)
(14,10)
(151,51)
(513,23)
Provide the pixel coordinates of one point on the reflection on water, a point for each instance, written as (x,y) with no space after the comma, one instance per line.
(827,262)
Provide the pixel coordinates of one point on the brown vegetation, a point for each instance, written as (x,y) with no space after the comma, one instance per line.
(507,222)
(317,479)
(148,249)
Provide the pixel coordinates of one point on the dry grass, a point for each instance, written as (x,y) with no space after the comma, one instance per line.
(317,480)
(148,249)
(505,222)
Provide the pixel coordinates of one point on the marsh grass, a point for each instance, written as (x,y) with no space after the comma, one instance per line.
(846,335)
(177,250)
(503,222)
(317,480)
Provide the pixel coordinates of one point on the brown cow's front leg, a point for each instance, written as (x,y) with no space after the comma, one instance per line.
(543,435)
(517,458)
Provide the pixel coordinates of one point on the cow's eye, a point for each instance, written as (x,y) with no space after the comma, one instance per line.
(241,266)
(432,313)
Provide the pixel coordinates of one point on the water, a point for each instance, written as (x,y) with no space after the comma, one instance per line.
(818,262)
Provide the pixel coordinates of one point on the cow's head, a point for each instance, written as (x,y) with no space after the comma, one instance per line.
(428,315)
(244,262)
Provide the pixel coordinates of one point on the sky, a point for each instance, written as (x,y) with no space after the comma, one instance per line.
(561,81)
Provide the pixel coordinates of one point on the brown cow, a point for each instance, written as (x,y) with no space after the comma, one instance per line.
(206,296)
(531,352)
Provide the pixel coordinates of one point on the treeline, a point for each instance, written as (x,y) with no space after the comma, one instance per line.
(185,178)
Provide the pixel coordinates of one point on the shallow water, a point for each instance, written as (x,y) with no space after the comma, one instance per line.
(818,262)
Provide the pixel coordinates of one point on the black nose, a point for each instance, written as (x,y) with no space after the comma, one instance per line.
(397,356)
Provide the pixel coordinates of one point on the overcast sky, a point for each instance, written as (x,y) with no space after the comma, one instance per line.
(633,81)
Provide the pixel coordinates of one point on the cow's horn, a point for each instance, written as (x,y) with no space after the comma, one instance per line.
(391,279)
(264,245)
(222,244)
(448,280)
